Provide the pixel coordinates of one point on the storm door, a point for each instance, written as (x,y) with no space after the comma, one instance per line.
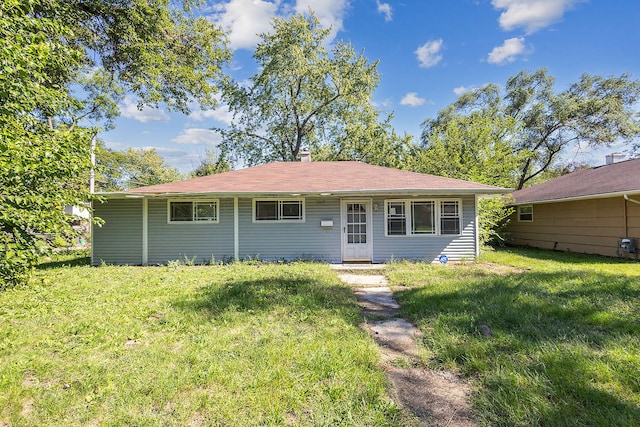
(356,230)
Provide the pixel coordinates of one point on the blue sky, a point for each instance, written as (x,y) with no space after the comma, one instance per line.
(429,52)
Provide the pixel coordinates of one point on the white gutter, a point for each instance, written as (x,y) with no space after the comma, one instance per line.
(354,193)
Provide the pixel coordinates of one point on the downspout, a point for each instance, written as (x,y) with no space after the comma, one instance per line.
(626,197)
(477,239)
(626,218)
(236,233)
(145,231)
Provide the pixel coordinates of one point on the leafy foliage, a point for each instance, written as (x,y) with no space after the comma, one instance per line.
(595,110)
(123,170)
(514,137)
(42,166)
(475,148)
(213,162)
(304,97)
(64,62)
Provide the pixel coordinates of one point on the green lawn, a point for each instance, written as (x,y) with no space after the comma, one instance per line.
(234,345)
(565,343)
(266,344)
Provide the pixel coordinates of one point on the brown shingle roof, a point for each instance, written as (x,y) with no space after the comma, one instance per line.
(317,177)
(599,181)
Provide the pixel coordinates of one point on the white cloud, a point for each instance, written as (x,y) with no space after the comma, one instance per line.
(412,99)
(507,52)
(220,114)
(330,13)
(532,15)
(462,89)
(129,109)
(197,136)
(429,53)
(385,9)
(385,103)
(245,19)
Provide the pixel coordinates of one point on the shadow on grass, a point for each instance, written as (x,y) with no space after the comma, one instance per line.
(545,303)
(566,257)
(300,295)
(72,261)
(536,318)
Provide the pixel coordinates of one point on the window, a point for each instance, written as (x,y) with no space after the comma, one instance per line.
(525,213)
(396,219)
(289,210)
(193,211)
(422,217)
(449,218)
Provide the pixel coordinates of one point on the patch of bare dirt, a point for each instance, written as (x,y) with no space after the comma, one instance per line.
(498,269)
(435,398)
(27,407)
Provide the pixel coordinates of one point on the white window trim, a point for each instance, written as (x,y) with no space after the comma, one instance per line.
(279,220)
(216,221)
(408,214)
(520,213)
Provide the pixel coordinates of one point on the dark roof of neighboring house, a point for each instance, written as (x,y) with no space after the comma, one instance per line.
(316,177)
(601,181)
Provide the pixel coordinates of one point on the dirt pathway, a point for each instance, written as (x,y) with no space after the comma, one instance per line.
(435,398)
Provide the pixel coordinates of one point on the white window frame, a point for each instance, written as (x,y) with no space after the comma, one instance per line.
(441,215)
(520,213)
(279,218)
(193,210)
(408,217)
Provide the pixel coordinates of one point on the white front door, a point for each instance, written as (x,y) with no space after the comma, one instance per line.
(356,230)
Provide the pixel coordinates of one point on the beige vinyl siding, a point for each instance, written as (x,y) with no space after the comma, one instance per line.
(199,242)
(425,247)
(119,239)
(272,240)
(584,226)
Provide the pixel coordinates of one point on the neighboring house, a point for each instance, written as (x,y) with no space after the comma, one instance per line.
(329,211)
(587,211)
(81,213)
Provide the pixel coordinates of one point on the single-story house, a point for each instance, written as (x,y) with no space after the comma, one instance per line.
(329,211)
(587,211)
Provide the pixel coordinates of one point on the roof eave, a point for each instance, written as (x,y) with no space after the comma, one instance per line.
(577,198)
(348,193)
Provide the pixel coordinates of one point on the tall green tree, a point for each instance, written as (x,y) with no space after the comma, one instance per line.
(214,161)
(476,147)
(595,110)
(63,63)
(305,97)
(131,168)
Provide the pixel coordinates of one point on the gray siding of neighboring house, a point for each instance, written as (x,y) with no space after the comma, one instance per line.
(426,248)
(119,239)
(198,242)
(308,240)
